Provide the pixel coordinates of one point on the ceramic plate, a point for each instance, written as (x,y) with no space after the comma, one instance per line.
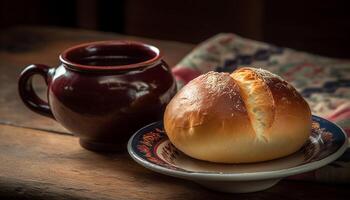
(151,148)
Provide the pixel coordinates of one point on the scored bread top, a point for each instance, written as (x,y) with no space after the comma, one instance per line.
(248,116)
(257,98)
(244,92)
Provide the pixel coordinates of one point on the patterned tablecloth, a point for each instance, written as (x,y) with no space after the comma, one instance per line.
(324,82)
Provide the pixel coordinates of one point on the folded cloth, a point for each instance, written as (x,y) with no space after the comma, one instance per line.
(324,82)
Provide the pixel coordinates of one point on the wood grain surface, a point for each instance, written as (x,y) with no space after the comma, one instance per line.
(39,160)
(41,165)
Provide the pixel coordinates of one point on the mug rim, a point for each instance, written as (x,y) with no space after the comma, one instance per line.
(71,64)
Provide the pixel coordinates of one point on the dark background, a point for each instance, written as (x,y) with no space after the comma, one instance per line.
(321,27)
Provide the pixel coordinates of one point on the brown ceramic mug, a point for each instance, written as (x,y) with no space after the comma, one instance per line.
(102,91)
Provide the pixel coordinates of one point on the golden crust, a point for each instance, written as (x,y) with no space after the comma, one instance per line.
(211,118)
(258,100)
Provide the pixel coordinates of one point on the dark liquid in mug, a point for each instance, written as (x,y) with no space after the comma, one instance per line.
(111,60)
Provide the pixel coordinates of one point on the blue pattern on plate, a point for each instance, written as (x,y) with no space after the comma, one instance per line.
(329,139)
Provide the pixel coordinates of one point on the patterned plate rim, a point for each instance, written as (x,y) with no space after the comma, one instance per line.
(239,176)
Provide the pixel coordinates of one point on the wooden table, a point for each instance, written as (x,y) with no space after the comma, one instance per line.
(41,160)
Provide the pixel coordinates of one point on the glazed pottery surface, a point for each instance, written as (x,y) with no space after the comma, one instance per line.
(103,91)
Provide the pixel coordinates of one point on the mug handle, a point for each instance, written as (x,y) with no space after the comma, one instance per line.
(26,90)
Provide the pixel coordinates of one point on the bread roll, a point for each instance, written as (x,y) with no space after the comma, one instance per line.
(248,116)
